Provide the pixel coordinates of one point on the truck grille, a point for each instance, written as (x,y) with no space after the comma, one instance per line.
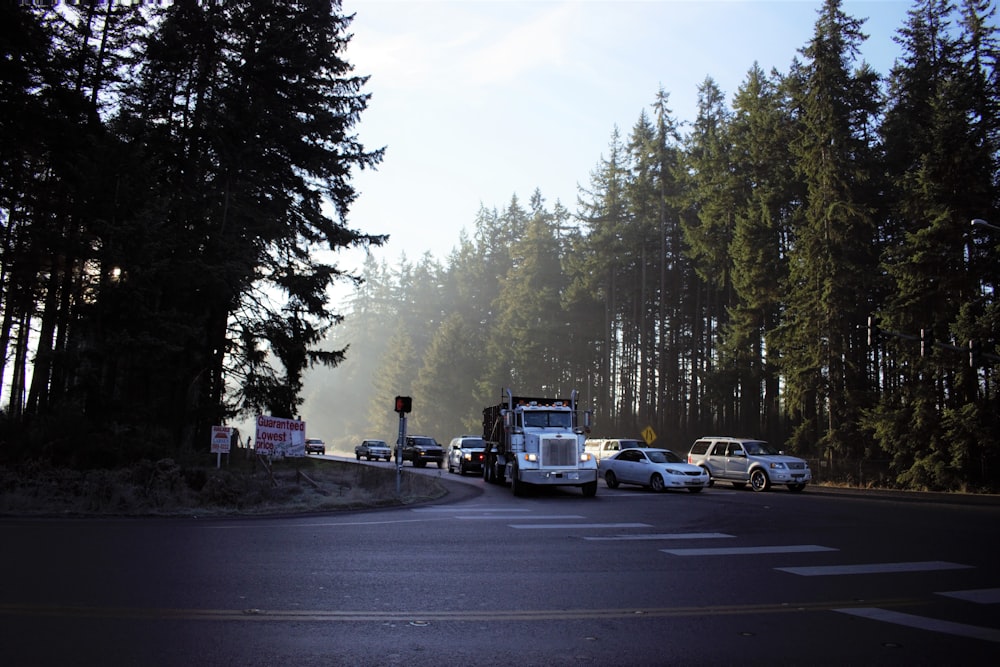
(559,452)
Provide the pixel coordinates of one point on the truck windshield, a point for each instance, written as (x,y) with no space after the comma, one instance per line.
(541,418)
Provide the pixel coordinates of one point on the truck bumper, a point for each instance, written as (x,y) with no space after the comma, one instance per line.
(558,477)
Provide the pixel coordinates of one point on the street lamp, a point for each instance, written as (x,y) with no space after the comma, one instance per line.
(979,222)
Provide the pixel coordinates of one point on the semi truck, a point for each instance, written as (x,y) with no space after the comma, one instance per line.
(537,441)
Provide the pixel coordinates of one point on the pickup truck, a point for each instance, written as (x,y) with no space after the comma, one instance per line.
(373,449)
(421,450)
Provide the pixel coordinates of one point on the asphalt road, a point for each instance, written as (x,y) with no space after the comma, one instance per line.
(482,578)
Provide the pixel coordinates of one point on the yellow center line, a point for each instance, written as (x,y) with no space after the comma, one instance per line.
(28,610)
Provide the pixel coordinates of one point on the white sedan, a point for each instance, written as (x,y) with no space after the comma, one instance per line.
(659,469)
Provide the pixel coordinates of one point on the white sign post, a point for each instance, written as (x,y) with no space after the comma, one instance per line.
(221,437)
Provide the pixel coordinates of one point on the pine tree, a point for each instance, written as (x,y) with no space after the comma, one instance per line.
(833,253)
(248,111)
(765,198)
(938,155)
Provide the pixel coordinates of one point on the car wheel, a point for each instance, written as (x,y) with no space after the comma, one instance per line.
(759,480)
(795,488)
(611,480)
(656,482)
(695,489)
(440,465)
(709,473)
(358,456)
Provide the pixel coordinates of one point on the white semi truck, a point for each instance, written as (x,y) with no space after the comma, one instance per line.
(537,441)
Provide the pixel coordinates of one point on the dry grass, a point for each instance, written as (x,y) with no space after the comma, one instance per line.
(164,488)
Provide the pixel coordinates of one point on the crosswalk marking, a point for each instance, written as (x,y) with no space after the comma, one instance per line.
(663,536)
(873,568)
(924,623)
(979,596)
(749,551)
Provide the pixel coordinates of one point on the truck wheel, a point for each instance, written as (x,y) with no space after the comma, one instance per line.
(759,480)
(589,489)
(516,486)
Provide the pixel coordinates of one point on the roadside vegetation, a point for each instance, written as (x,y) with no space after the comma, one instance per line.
(241,487)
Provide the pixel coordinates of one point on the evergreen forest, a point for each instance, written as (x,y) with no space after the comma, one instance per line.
(811,261)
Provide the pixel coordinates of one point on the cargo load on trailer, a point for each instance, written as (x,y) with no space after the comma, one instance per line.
(538,441)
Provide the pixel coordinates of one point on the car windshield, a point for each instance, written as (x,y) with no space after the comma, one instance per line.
(542,418)
(665,456)
(472,444)
(758,448)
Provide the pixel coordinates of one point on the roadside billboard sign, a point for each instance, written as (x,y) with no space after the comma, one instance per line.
(221,437)
(277,436)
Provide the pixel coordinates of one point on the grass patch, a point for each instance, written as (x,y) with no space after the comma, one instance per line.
(245,487)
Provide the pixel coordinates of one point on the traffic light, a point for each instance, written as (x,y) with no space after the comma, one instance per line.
(403,404)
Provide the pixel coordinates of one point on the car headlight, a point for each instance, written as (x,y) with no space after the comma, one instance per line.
(777,465)
(672,471)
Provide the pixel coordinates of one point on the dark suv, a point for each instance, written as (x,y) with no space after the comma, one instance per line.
(421,450)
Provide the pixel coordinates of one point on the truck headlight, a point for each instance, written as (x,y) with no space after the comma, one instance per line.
(531,457)
(584,457)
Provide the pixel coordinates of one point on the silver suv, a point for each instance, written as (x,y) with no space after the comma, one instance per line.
(742,461)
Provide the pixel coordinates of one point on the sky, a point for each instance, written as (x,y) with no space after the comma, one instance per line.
(476,101)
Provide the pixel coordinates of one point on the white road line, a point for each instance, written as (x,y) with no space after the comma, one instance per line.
(873,568)
(580,525)
(664,536)
(505,517)
(923,623)
(457,510)
(980,596)
(745,551)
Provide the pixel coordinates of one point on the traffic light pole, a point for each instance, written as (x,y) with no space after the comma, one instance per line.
(400,439)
